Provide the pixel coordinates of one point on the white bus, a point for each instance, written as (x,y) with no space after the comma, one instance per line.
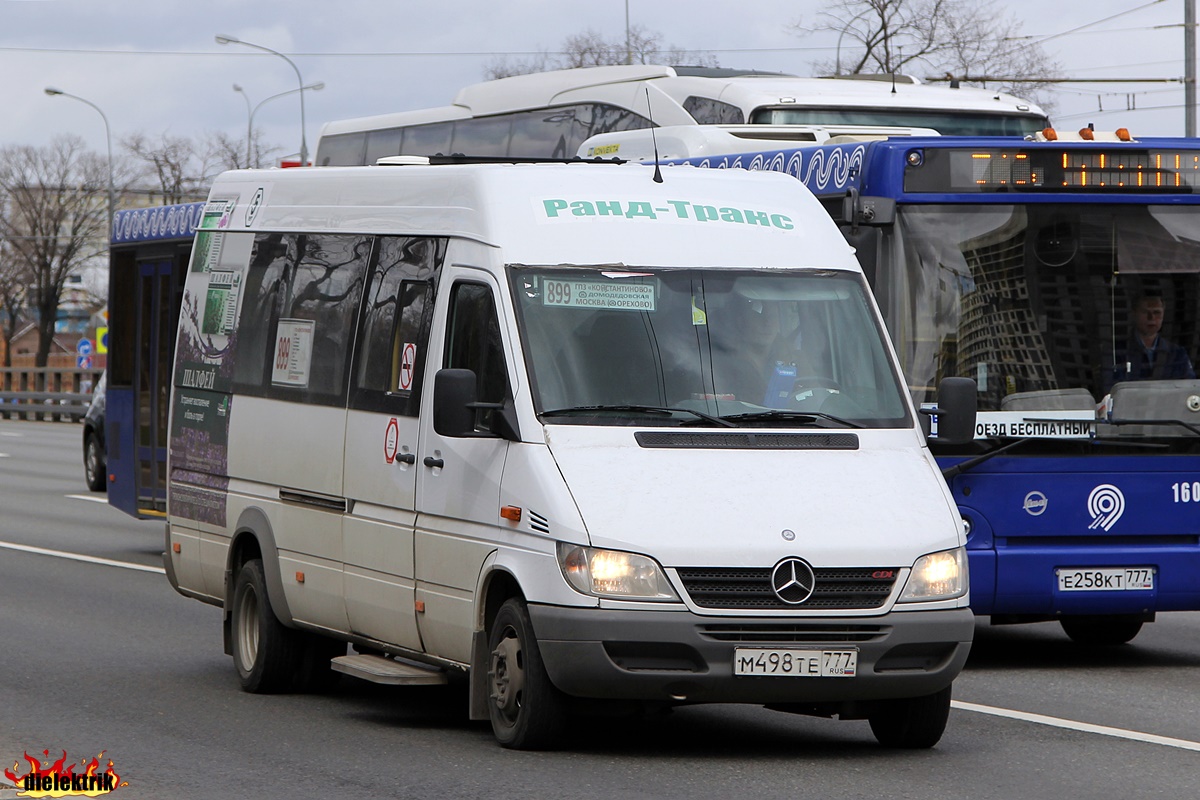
(549,114)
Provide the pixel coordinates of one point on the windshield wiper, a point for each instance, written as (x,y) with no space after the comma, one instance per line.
(641,410)
(802,417)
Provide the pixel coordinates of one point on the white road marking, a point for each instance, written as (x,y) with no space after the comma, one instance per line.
(3,455)
(41,551)
(1085,727)
(93,498)
(10,433)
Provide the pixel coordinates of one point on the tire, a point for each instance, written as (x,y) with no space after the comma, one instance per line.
(93,464)
(912,723)
(527,711)
(265,652)
(1101,631)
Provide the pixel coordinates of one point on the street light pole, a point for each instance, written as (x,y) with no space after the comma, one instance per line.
(249,126)
(299,80)
(52,92)
(312,87)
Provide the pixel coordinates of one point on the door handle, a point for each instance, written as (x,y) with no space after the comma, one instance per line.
(430,461)
(406,458)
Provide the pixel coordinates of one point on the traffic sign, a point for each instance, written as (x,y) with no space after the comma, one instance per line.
(101,340)
(84,347)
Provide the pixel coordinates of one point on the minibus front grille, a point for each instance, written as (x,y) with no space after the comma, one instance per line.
(750,588)
(799,633)
(747,440)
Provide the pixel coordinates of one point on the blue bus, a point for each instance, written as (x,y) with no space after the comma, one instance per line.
(148,259)
(1064,278)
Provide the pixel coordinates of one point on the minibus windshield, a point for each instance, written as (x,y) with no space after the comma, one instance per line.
(669,347)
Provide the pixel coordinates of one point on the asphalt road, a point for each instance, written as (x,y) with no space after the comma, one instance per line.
(102,657)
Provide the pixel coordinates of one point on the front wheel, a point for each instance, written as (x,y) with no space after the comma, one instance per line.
(265,652)
(911,723)
(93,464)
(527,711)
(1101,631)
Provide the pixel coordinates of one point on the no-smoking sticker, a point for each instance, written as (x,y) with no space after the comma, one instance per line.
(408,362)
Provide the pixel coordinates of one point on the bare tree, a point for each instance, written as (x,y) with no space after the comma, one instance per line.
(173,163)
(230,152)
(12,300)
(590,49)
(988,43)
(55,219)
(955,37)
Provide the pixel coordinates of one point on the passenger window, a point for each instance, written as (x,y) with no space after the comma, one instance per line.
(552,131)
(487,136)
(381,144)
(707,111)
(606,118)
(395,329)
(298,316)
(344,150)
(427,140)
(473,342)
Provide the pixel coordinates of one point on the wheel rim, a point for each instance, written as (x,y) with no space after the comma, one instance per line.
(507,676)
(92,462)
(247,630)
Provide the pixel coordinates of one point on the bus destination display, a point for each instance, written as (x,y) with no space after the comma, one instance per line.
(1048,170)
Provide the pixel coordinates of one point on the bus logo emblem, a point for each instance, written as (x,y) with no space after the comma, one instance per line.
(1106,504)
(1035,504)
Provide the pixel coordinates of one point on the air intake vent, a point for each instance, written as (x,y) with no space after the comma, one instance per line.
(538,523)
(794,633)
(750,588)
(748,440)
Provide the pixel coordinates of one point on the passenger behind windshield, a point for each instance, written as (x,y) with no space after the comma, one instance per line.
(1147,355)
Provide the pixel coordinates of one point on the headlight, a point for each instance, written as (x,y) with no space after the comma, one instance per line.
(612,573)
(937,576)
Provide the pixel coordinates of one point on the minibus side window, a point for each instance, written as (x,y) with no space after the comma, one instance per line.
(298,316)
(394,336)
(473,342)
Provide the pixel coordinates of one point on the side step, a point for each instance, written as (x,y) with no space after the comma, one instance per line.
(378,669)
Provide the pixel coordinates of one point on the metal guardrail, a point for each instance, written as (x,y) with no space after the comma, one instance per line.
(57,394)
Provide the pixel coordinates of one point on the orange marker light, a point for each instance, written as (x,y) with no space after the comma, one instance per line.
(512,513)
(420,606)
(299,577)
(176,548)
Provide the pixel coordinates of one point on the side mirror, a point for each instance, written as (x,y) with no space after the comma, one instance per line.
(453,402)
(957,404)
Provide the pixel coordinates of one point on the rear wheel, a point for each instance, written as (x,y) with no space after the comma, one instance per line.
(527,711)
(913,722)
(265,652)
(93,463)
(1101,631)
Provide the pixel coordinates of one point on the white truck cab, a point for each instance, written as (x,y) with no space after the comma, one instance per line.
(573,433)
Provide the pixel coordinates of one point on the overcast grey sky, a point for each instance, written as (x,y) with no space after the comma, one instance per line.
(153,65)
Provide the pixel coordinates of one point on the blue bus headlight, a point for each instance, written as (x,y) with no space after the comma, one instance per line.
(937,576)
(613,573)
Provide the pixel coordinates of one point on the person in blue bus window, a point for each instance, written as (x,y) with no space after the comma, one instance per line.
(1148,355)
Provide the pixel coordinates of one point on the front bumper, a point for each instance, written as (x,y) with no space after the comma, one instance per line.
(679,656)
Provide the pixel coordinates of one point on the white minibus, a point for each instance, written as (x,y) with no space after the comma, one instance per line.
(583,438)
